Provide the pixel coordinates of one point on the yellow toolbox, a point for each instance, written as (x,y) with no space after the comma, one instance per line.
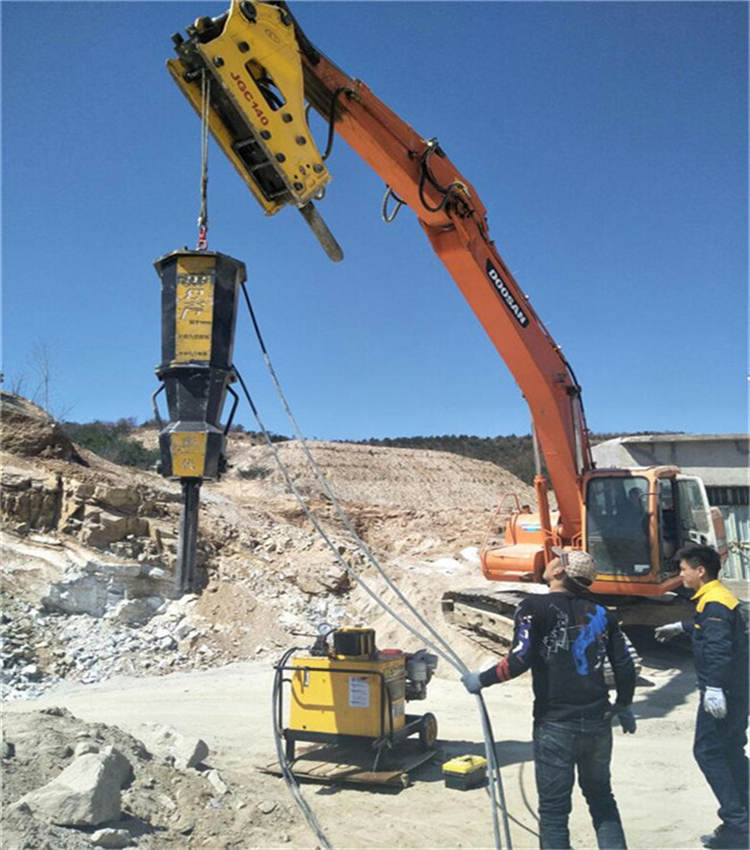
(464,772)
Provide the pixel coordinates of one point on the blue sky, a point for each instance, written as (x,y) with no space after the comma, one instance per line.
(608,142)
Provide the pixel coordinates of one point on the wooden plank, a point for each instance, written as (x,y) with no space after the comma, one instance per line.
(331,764)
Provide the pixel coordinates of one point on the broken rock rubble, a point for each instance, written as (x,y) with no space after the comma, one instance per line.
(86,793)
(112,838)
(69,785)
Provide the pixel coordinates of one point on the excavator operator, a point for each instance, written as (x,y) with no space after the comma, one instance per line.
(563,637)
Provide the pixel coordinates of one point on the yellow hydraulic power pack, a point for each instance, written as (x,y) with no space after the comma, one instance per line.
(348,696)
(354,692)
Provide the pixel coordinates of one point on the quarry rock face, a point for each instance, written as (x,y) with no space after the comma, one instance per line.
(30,501)
(88,550)
(48,486)
(80,538)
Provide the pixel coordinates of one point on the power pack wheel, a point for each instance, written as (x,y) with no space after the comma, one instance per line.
(428,731)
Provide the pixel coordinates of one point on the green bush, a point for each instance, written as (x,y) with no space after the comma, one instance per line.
(112,441)
(513,453)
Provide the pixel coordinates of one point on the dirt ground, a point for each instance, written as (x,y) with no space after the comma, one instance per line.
(88,553)
(662,797)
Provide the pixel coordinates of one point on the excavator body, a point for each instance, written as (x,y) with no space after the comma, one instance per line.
(634,521)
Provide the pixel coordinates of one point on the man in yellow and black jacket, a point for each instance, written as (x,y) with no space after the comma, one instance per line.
(720,650)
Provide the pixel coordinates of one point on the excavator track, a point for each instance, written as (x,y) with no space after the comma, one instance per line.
(489,612)
(486,613)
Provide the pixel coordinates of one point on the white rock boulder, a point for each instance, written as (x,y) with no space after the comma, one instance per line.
(180,750)
(86,793)
(111,838)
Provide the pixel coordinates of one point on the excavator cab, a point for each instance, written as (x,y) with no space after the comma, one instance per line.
(636,520)
(634,523)
(617,525)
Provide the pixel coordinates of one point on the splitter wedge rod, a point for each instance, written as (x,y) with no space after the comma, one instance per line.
(184,576)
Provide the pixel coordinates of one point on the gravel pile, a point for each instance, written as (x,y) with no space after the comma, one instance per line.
(39,648)
(23,638)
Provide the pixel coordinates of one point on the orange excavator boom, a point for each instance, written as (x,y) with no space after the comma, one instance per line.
(454,219)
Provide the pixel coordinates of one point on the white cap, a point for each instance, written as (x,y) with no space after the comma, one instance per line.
(577,563)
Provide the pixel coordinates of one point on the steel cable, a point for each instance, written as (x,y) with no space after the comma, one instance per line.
(286,770)
(203,214)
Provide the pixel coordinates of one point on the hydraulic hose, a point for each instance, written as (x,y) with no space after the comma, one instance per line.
(286,770)
(445,651)
(452,657)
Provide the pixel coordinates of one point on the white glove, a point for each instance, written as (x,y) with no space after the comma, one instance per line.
(471,682)
(665,633)
(715,703)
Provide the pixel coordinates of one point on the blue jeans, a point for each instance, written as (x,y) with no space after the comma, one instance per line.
(719,749)
(561,747)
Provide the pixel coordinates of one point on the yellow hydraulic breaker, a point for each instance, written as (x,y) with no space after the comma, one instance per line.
(245,63)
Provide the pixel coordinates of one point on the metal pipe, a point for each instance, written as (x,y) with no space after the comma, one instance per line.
(537,456)
(577,430)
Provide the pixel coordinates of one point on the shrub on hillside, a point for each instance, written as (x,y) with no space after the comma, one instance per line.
(513,453)
(112,441)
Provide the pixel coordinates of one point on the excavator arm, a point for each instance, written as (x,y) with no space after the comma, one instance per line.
(454,219)
(232,51)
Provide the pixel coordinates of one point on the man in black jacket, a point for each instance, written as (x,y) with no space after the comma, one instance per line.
(720,651)
(564,637)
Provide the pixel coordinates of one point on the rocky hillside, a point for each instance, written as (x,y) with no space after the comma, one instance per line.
(88,551)
(72,785)
(89,548)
